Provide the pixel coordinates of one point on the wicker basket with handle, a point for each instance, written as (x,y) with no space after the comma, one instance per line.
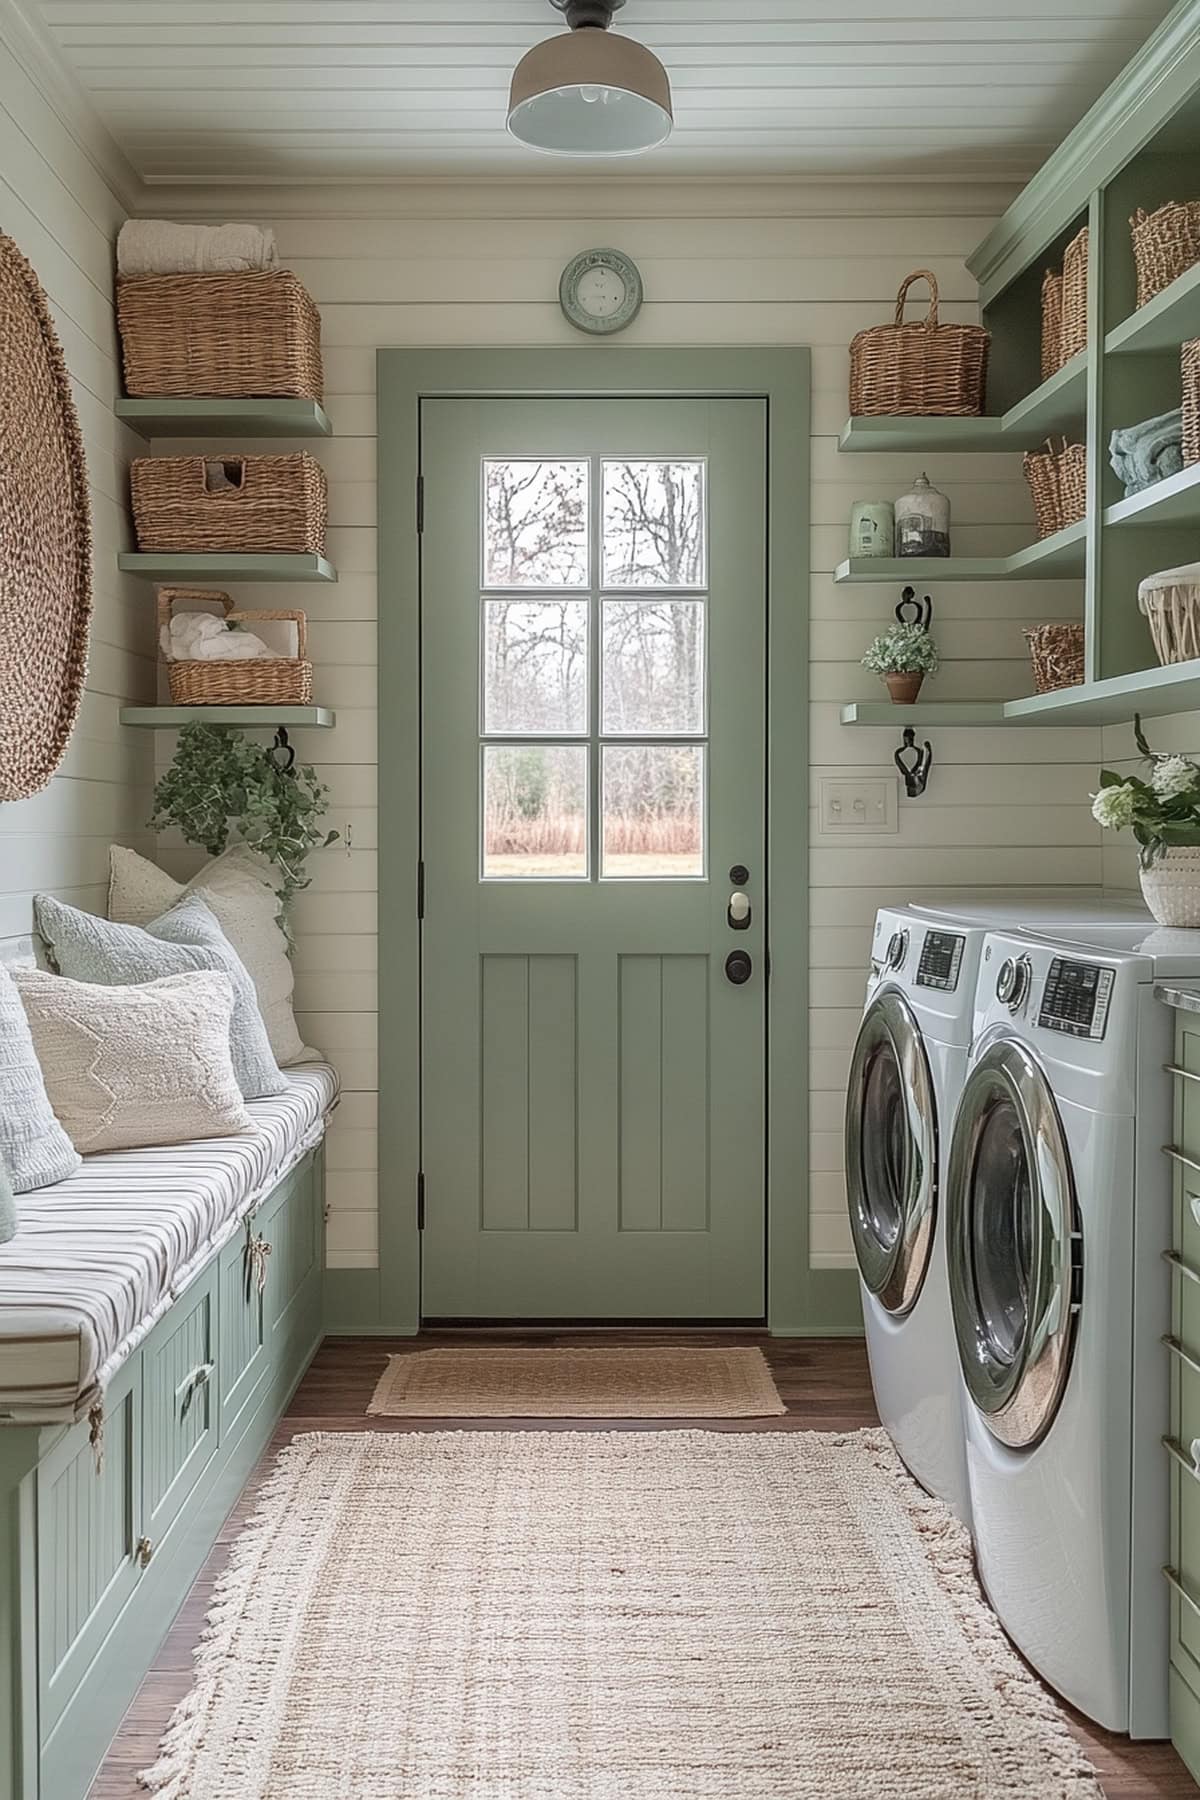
(921,368)
(1052,302)
(1170,603)
(275,681)
(267,504)
(249,336)
(1189,370)
(1074,295)
(1056,652)
(1057,478)
(1165,243)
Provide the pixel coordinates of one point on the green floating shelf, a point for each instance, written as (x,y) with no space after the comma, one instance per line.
(1175,501)
(1062,555)
(225,418)
(170,718)
(1057,406)
(224,566)
(924,713)
(1151,692)
(1164,323)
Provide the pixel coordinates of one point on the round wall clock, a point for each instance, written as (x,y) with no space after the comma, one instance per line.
(600,291)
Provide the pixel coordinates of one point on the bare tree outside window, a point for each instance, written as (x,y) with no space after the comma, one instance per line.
(535,666)
(535,524)
(653,660)
(654,524)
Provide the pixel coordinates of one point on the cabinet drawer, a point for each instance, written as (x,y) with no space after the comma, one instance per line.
(291,1224)
(179,1402)
(88,1526)
(243,1337)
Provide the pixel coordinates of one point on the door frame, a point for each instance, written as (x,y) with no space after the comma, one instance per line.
(801,1301)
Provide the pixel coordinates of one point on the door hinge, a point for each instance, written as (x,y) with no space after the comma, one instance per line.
(421,890)
(421,1200)
(420,503)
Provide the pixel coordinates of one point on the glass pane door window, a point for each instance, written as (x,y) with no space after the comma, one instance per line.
(593,692)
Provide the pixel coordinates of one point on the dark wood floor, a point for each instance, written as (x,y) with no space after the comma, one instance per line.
(824,1384)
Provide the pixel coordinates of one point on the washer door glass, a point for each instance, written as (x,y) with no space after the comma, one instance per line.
(1013,1244)
(891,1153)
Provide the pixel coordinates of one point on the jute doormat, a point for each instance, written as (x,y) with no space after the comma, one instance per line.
(687,1615)
(621,1383)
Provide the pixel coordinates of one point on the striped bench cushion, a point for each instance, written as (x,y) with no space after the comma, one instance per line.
(100,1257)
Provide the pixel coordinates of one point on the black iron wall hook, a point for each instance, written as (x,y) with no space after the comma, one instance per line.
(914,763)
(922,609)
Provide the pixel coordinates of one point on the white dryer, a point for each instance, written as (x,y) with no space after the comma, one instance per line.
(1058,1209)
(907,1070)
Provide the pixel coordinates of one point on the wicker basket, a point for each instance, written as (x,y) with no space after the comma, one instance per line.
(246,336)
(283,681)
(1057,478)
(922,368)
(1056,652)
(1074,296)
(256,503)
(1165,243)
(1052,300)
(1170,603)
(1189,370)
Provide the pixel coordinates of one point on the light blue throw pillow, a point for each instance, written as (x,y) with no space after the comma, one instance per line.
(33,1145)
(185,938)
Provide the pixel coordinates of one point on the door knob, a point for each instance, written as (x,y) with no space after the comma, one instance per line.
(738,914)
(738,967)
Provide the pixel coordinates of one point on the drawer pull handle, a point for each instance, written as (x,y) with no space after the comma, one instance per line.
(145,1550)
(257,1252)
(1189,1464)
(191,1384)
(1177,1350)
(1180,1267)
(1178,1069)
(1174,1582)
(1177,1155)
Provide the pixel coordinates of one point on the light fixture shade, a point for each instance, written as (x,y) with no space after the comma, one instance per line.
(590,93)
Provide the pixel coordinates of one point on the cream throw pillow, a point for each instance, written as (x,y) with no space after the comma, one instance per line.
(241,888)
(130,1066)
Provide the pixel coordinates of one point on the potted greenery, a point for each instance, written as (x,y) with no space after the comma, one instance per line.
(220,783)
(904,655)
(1163,812)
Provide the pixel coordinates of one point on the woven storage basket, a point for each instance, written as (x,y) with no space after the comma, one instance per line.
(1056,652)
(921,368)
(1057,478)
(281,681)
(248,336)
(274,503)
(1165,243)
(1170,603)
(1052,299)
(1189,369)
(1074,295)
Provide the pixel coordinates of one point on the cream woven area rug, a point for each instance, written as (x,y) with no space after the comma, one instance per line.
(679,1615)
(654,1382)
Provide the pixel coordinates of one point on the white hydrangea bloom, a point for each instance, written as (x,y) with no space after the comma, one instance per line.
(1113,806)
(1172,775)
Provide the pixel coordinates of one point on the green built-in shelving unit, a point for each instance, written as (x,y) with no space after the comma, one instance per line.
(220,418)
(170,718)
(221,566)
(1139,146)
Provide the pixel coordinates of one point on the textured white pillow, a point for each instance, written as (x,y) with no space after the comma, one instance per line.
(33,1144)
(241,888)
(130,1066)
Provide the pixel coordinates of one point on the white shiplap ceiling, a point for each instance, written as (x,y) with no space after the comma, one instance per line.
(221,90)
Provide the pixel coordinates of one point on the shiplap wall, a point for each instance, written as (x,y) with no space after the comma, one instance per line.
(1004,808)
(64,214)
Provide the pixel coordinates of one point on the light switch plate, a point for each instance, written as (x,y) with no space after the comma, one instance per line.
(867,804)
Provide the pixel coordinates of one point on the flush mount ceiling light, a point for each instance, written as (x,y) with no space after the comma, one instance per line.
(589,92)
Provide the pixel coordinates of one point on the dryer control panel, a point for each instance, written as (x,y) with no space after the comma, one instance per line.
(941,960)
(1076,998)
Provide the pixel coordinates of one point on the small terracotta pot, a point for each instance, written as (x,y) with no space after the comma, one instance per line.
(904,688)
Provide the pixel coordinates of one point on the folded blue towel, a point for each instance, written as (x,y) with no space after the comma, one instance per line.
(1149,452)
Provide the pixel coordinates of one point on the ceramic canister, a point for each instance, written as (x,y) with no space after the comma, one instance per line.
(872,528)
(923,521)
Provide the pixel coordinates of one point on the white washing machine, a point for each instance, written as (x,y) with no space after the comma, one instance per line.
(1058,1214)
(907,1070)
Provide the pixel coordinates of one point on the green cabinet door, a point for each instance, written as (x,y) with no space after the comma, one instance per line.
(593,700)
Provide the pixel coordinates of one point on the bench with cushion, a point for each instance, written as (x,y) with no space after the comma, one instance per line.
(156,1311)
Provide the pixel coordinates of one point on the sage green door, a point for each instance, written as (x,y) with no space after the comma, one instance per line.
(593,696)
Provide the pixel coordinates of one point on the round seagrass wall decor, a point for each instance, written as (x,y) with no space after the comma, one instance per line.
(45,538)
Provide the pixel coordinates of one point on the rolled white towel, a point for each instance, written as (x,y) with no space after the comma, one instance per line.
(202,637)
(160,247)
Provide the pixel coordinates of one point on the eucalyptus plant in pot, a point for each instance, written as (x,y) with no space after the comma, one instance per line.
(1163,812)
(903,655)
(221,785)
